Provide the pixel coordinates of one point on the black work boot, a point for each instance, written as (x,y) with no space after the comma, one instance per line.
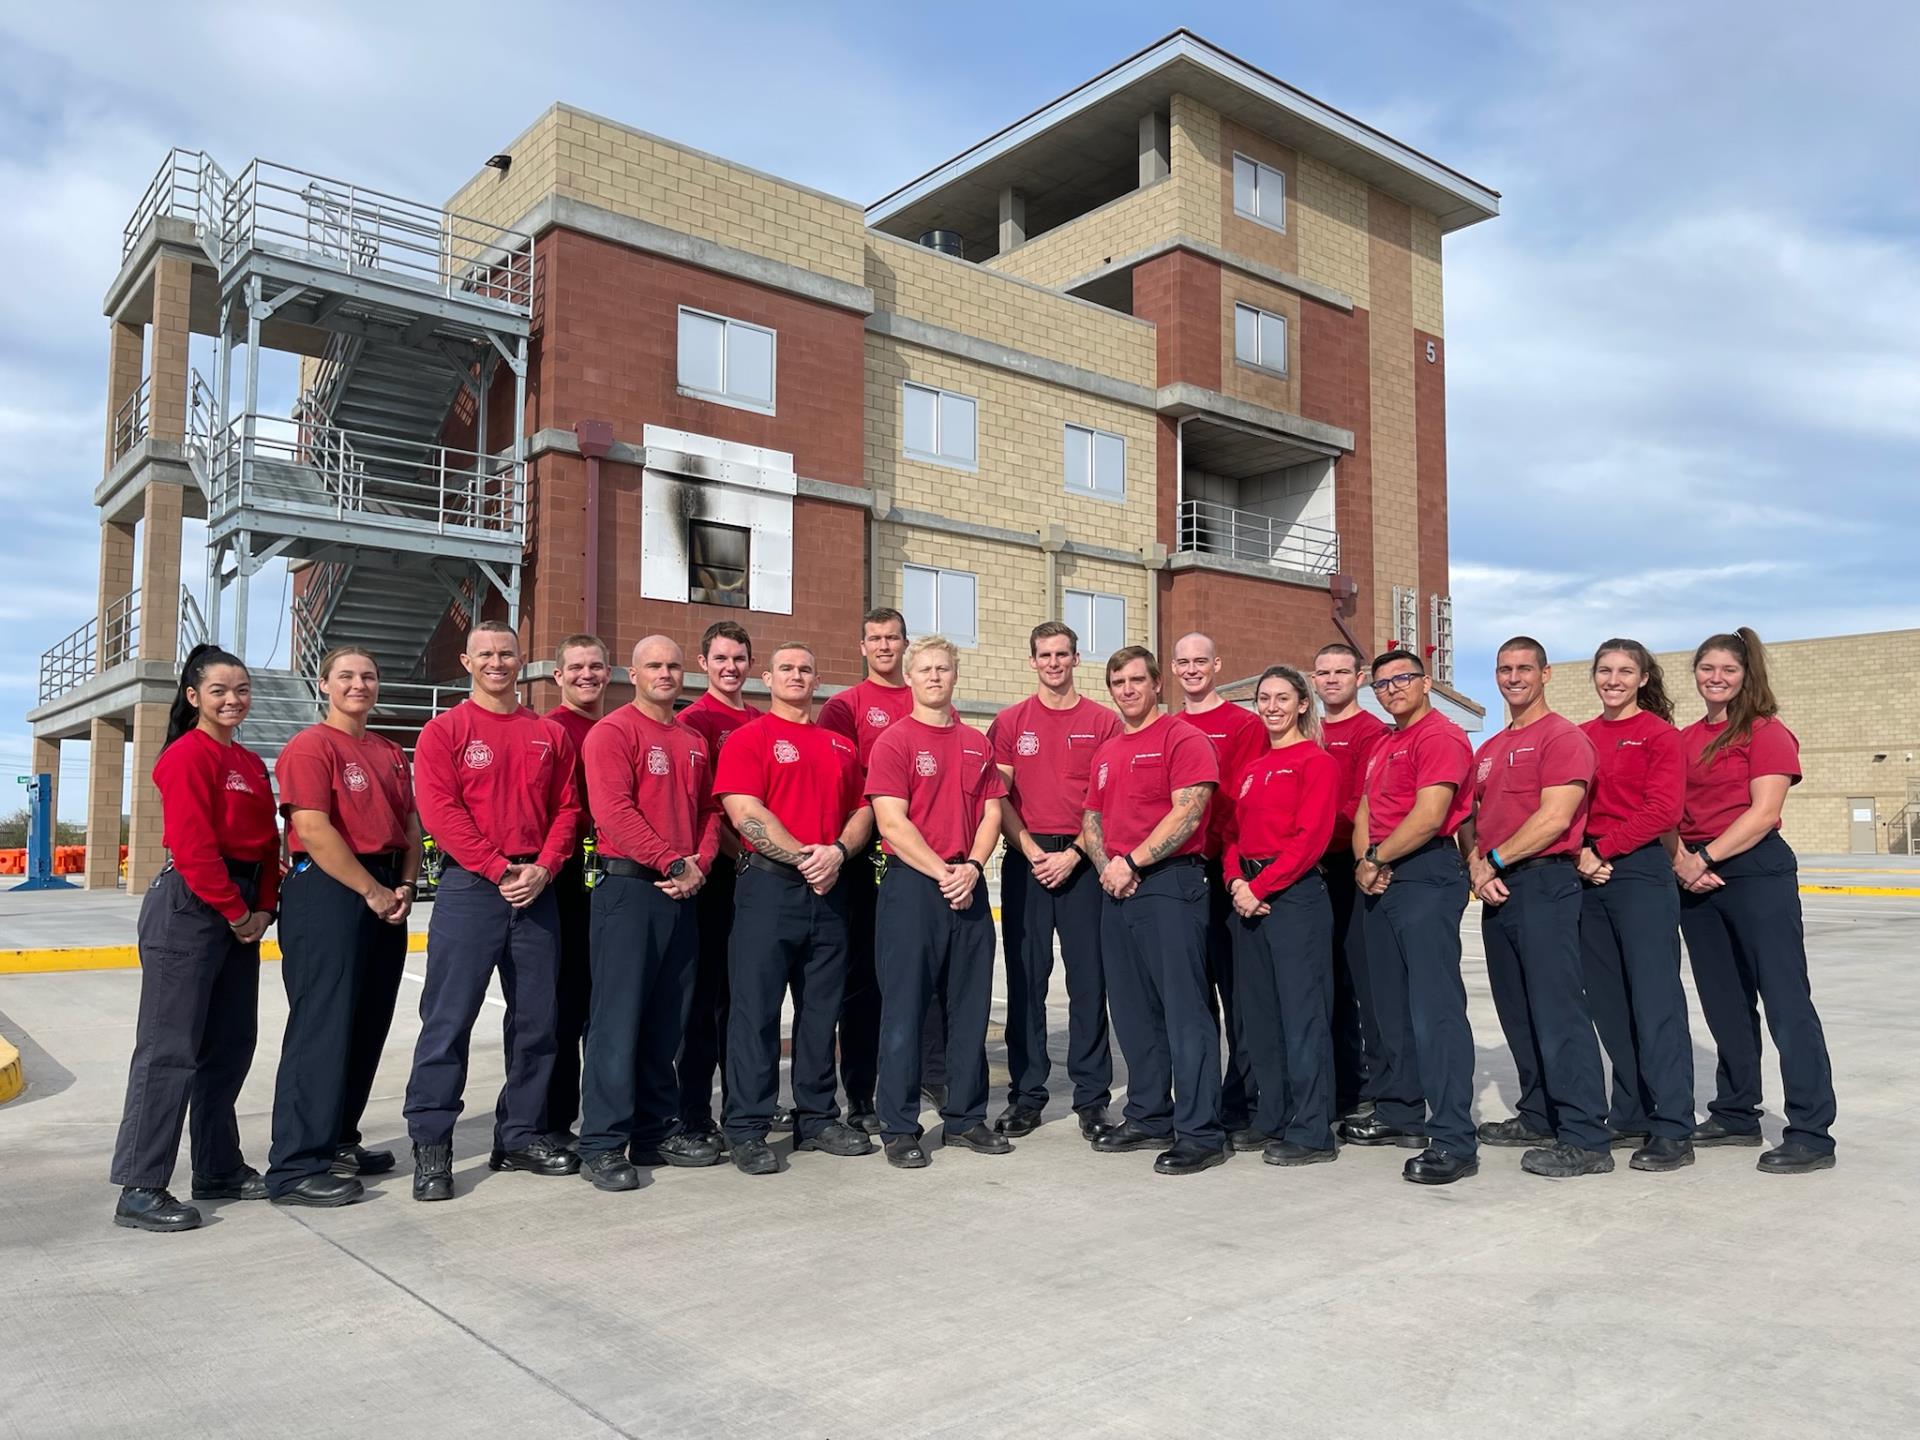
(433,1172)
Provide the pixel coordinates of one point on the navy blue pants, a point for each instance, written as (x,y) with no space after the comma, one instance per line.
(473,932)
(341,965)
(573,993)
(1356,1033)
(1540,994)
(1748,945)
(860,1006)
(1031,915)
(1426,1044)
(784,936)
(193,1041)
(703,1052)
(1283,967)
(1630,953)
(926,948)
(645,949)
(1154,947)
(1239,1091)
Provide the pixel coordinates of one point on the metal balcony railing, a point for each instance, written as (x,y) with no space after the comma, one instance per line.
(187,186)
(311,467)
(130,420)
(277,208)
(92,650)
(1208,528)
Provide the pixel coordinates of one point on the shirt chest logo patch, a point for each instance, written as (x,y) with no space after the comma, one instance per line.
(1028,743)
(1100,780)
(238,782)
(786,752)
(877,717)
(924,763)
(479,755)
(657,761)
(355,777)
(1486,766)
(1245,786)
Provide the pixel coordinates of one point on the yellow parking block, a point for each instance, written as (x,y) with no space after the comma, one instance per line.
(12,1078)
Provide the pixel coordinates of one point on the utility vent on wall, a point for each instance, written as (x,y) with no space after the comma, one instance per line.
(698,481)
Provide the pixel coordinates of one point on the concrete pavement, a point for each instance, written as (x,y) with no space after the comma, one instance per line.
(1052,1292)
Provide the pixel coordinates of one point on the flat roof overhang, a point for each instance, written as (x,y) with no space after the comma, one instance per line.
(1077,141)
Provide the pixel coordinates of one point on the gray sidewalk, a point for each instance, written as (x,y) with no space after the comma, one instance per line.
(1048,1293)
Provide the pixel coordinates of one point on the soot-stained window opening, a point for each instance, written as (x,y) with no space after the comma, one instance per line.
(717,563)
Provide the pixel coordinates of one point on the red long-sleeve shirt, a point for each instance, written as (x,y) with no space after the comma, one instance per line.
(1285,804)
(577,726)
(1237,735)
(1639,782)
(491,785)
(216,804)
(652,791)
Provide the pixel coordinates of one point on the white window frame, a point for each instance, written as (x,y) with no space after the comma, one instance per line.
(1094,641)
(944,624)
(728,328)
(937,456)
(1090,485)
(1261,188)
(1261,316)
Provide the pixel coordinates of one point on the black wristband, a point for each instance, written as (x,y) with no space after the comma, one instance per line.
(1706,859)
(845,854)
(976,865)
(1131,864)
(1075,847)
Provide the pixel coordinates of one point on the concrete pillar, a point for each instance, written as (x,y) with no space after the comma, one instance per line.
(146,852)
(1154,148)
(172,306)
(124,345)
(106,778)
(116,580)
(46,761)
(160,573)
(1013,219)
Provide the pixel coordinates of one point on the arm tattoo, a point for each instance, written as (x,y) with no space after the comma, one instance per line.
(755,831)
(1191,802)
(1094,837)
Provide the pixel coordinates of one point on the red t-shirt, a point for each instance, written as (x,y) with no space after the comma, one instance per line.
(362,785)
(714,720)
(946,775)
(1720,791)
(1051,755)
(491,785)
(216,803)
(1134,777)
(1237,736)
(1639,782)
(1514,766)
(577,725)
(1349,742)
(1431,751)
(1285,804)
(808,777)
(652,790)
(863,712)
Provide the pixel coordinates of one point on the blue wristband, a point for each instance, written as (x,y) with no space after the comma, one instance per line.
(1493,859)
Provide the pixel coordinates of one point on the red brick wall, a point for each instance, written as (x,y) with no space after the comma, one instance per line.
(1335,387)
(1430,459)
(1254,623)
(1180,293)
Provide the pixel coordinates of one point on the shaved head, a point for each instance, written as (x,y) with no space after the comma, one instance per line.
(1194,645)
(654,645)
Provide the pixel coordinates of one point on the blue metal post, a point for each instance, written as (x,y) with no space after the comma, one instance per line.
(40,874)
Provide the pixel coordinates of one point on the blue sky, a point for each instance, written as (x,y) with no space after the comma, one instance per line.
(1684,364)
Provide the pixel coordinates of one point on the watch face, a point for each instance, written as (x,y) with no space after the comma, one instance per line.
(676,869)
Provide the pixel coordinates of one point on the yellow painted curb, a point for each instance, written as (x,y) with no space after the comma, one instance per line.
(119,957)
(1890,891)
(12,1079)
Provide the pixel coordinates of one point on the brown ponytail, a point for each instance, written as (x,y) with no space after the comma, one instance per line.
(1754,701)
(1653,694)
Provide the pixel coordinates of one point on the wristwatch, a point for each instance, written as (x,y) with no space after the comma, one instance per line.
(676,869)
(845,854)
(1372,857)
(976,865)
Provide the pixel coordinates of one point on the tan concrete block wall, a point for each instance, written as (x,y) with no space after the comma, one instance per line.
(125,356)
(1247,382)
(1193,153)
(146,851)
(498,199)
(1328,215)
(172,304)
(1011,599)
(116,575)
(1240,235)
(1843,716)
(921,284)
(1429,313)
(1020,437)
(1121,227)
(106,780)
(1396,494)
(160,572)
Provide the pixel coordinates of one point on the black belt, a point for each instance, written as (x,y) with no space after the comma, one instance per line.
(631,869)
(1054,843)
(385,859)
(753,860)
(1438,842)
(449,863)
(1533,862)
(1182,860)
(242,869)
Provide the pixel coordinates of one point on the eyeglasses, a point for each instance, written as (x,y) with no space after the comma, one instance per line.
(1388,684)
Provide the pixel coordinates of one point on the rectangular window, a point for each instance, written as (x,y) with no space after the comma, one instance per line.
(939,602)
(1260,338)
(937,425)
(717,563)
(1259,192)
(1096,463)
(1099,620)
(726,360)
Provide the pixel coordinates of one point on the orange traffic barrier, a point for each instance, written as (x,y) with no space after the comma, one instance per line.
(67,860)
